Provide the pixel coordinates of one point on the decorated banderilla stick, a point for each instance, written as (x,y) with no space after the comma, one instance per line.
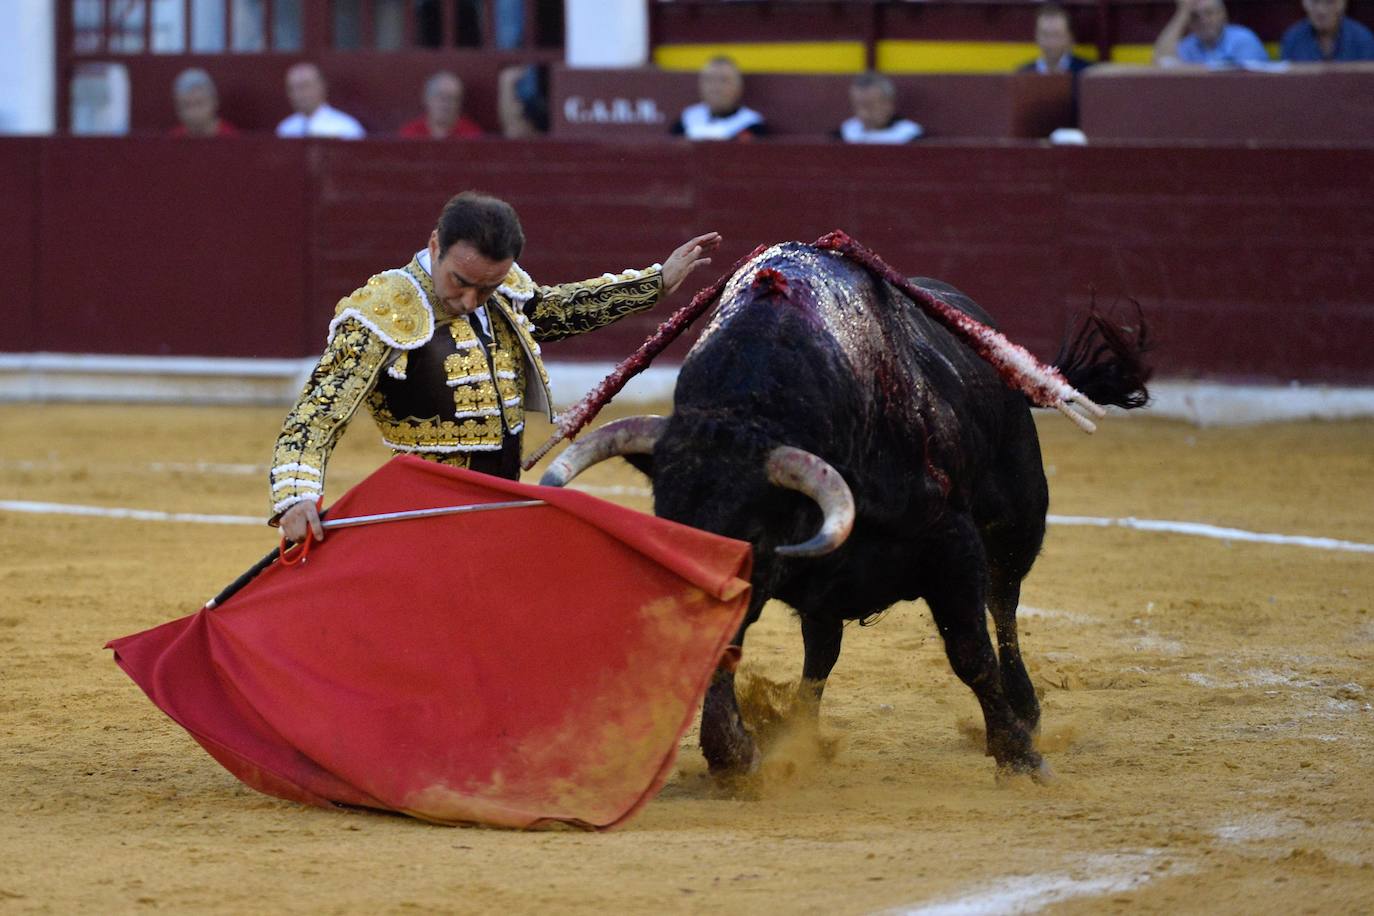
(354,521)
(1018,367)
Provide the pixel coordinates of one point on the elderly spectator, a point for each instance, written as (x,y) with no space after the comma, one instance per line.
(1212,41)
(720,115)
(197,106)
(1054,37)
(443,118)
(874,101)
(1326,34)
(314,117)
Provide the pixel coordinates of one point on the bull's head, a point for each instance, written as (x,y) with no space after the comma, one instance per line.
(785,466)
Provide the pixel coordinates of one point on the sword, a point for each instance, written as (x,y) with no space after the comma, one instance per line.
(355,521)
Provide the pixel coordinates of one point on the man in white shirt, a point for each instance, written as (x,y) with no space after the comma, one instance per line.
(721,114)
(305,89)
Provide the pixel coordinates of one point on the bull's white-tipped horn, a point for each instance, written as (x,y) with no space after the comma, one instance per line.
(630,436)
(795,469)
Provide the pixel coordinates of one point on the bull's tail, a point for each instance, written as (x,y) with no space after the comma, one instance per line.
(1105,360)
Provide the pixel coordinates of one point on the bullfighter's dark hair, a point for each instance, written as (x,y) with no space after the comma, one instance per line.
(484,222)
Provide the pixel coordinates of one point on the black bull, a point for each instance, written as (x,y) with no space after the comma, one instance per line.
(808,350)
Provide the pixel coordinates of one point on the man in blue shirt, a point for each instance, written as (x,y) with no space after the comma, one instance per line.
(1326,34)
(1213,41)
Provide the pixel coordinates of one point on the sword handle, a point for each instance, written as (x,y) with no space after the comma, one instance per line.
(248,576)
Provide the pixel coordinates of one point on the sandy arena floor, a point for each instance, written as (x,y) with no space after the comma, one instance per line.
(1207,708)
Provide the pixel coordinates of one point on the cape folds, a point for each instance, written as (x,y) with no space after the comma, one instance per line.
(513,667)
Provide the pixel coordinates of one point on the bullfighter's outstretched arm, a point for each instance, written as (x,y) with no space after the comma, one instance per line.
(574,308)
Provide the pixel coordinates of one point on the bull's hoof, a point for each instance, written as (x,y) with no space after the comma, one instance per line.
(1032,767)
(737,756)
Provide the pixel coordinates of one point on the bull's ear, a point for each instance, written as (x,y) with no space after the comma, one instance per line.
(644,464)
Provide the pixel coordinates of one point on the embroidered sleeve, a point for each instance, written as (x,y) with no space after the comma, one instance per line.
(574,308)
(341,379)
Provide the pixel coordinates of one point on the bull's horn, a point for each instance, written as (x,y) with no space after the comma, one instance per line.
(630,436)
(795,469)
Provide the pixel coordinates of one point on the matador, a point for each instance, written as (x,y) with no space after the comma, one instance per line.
(445,353)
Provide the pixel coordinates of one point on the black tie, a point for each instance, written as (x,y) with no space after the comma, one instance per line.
(480,331)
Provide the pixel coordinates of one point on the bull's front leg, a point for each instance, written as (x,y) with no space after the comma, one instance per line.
(726,743)
(821,637)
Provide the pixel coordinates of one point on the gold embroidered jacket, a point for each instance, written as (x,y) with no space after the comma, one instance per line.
(432,387)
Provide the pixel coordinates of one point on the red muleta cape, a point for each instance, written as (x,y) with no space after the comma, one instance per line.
(514,667)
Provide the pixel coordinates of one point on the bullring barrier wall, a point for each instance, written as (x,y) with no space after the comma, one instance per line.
(1252,264)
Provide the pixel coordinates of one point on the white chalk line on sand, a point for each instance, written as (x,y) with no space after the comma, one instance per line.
(142,515)
(1098,876)
(1194,529)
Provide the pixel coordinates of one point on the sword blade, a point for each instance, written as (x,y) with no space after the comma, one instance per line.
(252,572)
(356,520)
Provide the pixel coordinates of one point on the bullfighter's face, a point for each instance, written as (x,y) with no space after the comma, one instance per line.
(464,278)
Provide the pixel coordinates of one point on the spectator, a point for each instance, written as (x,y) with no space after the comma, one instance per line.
(443,118)
(197,105)
(314,117)
(1213,41)
(1054,37)
(874,100)
(522,102)
(720,115)
(1326,34)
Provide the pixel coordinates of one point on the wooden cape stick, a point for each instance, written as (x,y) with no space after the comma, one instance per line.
(1044,385)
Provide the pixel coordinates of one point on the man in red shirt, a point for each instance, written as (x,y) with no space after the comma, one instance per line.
(197,105)
(443,118)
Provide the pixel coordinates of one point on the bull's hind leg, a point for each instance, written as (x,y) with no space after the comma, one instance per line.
(1004,594)
(959,573)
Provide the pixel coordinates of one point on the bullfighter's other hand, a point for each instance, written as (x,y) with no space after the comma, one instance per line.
(688,257)
(303,516)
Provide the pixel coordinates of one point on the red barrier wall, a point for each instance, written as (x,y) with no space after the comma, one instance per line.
(164,247)
(1251,263)
(19,189)
(1305,103)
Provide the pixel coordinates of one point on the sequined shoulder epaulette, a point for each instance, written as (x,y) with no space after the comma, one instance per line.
(518,287)
(393,306)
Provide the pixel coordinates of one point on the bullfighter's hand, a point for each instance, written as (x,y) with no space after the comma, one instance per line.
(691,255)
(300,518)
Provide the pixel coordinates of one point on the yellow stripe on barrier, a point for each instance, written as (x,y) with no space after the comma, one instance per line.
(961,56)
(771,57)
(1132,54)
